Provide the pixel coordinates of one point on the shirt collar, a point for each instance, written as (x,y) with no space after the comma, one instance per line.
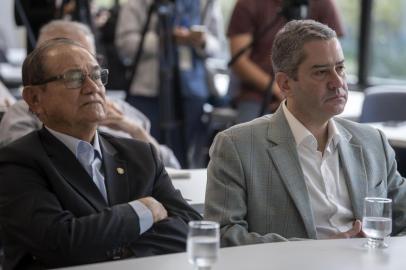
(72,143)
(303,135)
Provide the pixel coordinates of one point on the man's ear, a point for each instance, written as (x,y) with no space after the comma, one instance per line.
(282,79)
(32,95)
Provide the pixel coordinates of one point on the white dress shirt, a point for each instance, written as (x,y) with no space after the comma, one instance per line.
(329,197)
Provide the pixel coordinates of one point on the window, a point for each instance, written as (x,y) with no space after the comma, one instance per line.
(388,39)
(350,14)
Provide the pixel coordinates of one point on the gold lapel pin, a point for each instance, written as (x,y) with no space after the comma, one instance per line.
(120,170)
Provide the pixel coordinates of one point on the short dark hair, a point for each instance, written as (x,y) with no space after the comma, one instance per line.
(287,50)
(34,69)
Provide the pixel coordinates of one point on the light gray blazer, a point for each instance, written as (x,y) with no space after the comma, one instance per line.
(256,188)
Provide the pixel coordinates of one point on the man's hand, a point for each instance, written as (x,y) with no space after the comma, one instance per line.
(184,36)
(115,119)
(355,231)
(158,210)
(5,102)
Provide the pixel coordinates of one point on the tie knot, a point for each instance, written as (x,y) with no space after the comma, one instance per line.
(85,153)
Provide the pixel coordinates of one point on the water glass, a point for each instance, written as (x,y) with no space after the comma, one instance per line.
(377,221)
(203,243)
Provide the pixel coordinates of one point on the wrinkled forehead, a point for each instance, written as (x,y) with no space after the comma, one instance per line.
(65,57)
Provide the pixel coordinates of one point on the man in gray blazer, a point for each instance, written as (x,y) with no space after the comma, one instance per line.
(301,172)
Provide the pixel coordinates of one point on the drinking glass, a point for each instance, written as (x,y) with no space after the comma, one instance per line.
(377,221)
(203,243)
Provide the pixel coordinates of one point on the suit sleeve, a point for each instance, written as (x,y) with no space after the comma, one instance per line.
(226,195)
(168,235)
(31,215)
(396,190)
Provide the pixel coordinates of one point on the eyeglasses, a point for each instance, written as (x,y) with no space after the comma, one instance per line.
(75,78)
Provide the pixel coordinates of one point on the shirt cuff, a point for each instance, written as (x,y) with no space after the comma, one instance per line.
(144,215)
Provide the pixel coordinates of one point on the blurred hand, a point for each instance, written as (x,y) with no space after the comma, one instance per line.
(158,210)
(115,119)
(355,231)
(69,8)
(184,36)
(5,102)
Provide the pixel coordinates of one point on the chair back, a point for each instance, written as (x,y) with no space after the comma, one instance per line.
(384,103)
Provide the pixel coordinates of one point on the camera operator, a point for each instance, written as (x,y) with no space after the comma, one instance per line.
(197,31)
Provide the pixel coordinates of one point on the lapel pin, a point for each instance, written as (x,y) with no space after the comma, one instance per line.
(120,170)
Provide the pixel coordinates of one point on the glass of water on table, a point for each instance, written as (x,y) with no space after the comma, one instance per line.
(377,221)
(203,243)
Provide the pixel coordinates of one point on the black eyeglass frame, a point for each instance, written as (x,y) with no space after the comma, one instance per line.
(103,72)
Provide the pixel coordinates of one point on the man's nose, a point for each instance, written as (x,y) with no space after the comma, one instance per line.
(89,86)
(336,80)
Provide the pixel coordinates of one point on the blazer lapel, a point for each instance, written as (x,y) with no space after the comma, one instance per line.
(71,169)
(354,171)
(116,174)
(284,155)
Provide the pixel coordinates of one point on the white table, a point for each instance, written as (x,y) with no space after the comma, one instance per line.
(192,185)
(396,133)
(344,254)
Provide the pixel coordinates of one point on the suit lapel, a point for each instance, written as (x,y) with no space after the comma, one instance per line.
(284,155)
(116,174)
(71,169)
(354,170)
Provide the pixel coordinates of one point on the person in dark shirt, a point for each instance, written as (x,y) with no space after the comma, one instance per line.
(253,69)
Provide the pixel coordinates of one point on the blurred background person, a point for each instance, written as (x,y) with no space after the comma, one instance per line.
(197,32)
(252,71)
(33,14)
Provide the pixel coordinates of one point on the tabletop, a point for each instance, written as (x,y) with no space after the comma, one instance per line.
(394,131)
(348,254)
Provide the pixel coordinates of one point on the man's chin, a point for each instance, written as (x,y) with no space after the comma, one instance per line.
(338,110)
(95,118)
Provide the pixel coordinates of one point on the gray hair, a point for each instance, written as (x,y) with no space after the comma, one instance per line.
(34,68)
(287,50)
(65,29)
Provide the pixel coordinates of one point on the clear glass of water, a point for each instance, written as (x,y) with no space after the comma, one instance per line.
(377,221)
(203,243)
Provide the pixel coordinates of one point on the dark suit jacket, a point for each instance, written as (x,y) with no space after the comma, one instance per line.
(52,214)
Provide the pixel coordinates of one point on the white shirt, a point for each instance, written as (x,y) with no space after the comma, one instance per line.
(324,178)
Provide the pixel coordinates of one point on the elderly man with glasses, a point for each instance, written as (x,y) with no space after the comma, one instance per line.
(123,120)
(72,195)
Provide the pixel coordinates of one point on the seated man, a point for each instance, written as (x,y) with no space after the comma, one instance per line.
(122,119)
(72,195)
(301,172)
